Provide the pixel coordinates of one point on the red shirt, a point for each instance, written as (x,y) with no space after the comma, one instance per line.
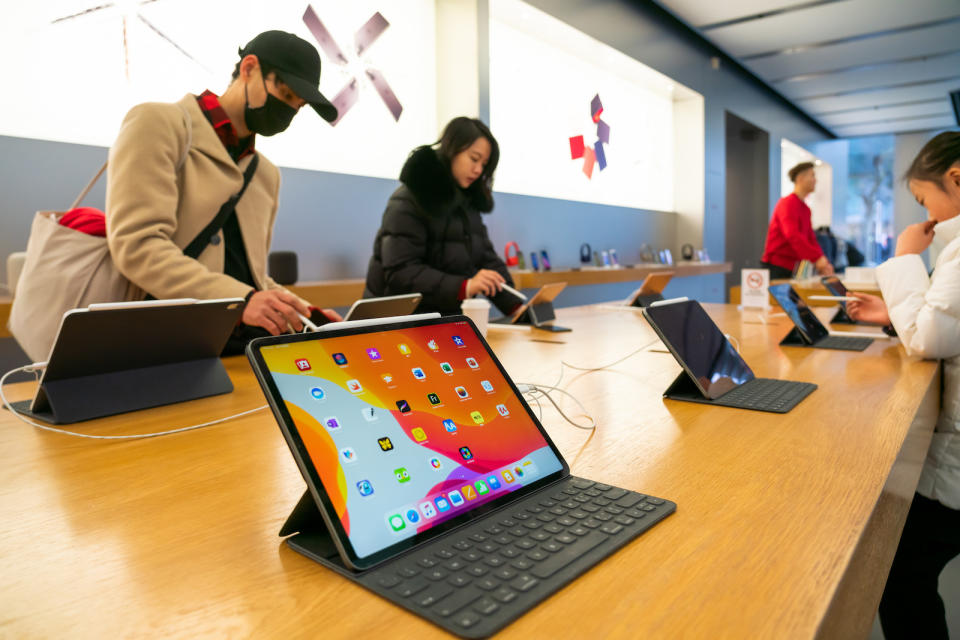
(790,237)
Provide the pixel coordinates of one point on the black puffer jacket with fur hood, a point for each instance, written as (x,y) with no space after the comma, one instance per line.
(432,239)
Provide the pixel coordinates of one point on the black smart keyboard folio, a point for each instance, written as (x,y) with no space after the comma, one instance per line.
(808,331)
(712,370)
(447,496)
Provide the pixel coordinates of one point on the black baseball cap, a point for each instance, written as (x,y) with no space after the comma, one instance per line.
(298,65)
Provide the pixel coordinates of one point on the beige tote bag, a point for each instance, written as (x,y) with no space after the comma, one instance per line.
(64,269)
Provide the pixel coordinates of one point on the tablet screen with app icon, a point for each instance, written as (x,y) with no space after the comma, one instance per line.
(408,428)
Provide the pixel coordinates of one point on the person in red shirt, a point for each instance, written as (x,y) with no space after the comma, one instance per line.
(790,237)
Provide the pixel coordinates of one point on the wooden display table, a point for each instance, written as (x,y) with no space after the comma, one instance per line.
(785,528)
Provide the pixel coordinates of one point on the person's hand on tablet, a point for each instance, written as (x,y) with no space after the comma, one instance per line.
(868,308)
(486,281)
(275,310)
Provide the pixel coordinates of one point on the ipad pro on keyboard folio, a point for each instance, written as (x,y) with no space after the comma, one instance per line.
(429,479)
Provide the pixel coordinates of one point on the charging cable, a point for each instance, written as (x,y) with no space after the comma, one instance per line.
(535,392)
(36,367)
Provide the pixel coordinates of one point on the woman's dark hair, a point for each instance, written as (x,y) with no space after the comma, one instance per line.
(457,136)
(798,169)
(938,155)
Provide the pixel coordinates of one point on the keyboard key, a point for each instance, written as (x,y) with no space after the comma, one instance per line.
(565,538)
(509,552)
(521,516)
(456,601)
(547,503)
(388,581)
(589,508)
(592,523)
(494,561)
(552,547)
(579,515)
(566,521)
(493,530)
(427,563)
(558,511)
(648,507)
(538,555)
(581,499)
(459,580)
(656,501)
(434,594)
(507,522)
(524,583)
(532,524)
(463,545)
(569,504)
(615,510)
(486,606)
(615,493)
(487,584)
(600,515)
(472,556)
(636,513)
(505,573)
(505,539)
(435,574)
(582,483)
(571,491)
(602,487)
(517,532)
(488,547)
(521,563)
(479,537)
(593,493)
(455,565)
(546,517)
(569,554)
(478,570)
(408,572)
(535,510)
(629,500)
(411,587)
(624,520)
(601,501)
(540,536)
(504,594)
(525,544)
(611,528)
(444,553)
(578,531)
(467,619)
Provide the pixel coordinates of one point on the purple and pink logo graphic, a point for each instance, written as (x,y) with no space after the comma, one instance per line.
(592,155)
(362,40)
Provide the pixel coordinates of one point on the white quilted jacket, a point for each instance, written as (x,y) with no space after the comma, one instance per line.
(925,311)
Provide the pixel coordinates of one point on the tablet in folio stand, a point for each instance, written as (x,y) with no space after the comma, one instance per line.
(119,357)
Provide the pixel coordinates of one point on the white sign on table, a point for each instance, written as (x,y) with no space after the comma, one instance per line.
(755,289)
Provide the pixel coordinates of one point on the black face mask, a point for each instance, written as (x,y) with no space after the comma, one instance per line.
(270,119)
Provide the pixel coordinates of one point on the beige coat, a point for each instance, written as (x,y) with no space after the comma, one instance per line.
(168,174)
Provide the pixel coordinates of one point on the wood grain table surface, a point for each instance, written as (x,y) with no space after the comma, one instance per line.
(785,525)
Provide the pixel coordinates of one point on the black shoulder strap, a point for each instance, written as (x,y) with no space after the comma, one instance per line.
(196,247)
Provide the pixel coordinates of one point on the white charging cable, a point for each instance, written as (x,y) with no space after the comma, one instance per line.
(38,366)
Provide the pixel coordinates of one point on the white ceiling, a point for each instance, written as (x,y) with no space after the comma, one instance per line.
(859,67)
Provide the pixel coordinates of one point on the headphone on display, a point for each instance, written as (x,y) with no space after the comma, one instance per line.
(511,260)
(687,251)
(586,255)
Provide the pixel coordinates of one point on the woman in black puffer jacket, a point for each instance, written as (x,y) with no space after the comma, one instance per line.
(431,240)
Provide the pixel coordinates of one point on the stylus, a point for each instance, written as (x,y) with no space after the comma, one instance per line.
(835,298)
(860,334)
(307,323)
(514,292)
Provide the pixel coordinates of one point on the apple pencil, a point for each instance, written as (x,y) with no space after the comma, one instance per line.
(836,298)
(514,291)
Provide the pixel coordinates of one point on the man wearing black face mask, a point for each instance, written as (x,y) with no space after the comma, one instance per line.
(175,166)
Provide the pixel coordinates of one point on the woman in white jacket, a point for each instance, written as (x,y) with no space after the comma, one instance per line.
(925,311)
